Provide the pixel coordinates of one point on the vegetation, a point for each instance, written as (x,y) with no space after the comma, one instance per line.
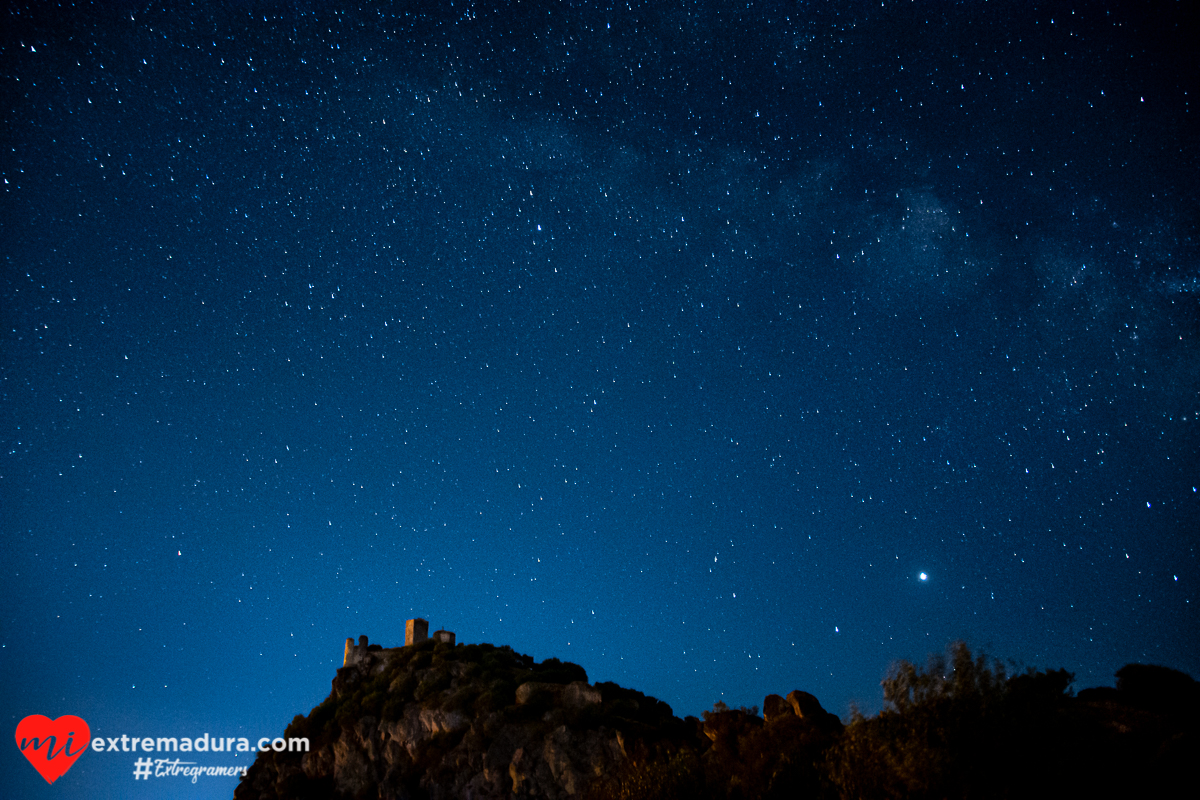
(958,727)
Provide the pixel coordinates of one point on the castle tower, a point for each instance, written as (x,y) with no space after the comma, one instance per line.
(416,631)
(354,653)
(444,636)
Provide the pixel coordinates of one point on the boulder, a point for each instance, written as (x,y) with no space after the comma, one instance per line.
(579,694)
(805,705)
(776,708)
(808,708)
(535,691)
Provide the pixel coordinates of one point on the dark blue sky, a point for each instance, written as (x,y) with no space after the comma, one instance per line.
(672,340)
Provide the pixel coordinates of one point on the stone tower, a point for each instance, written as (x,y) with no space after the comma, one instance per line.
(416,631)
(353,653)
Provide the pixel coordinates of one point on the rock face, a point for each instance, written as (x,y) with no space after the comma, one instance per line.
(774,708)
(438,720)
(576,694)
(807,707)
(473,721)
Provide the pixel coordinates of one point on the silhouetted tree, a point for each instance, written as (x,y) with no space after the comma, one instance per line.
(934,738)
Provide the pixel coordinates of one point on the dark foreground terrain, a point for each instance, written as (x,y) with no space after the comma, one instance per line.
(477,721)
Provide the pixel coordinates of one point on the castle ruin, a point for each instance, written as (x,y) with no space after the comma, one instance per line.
(415,631)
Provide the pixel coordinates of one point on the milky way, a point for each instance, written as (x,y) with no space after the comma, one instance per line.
(721,352)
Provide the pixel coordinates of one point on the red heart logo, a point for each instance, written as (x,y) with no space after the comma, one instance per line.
(52,745)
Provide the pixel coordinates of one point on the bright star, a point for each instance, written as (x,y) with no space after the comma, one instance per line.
(923,576)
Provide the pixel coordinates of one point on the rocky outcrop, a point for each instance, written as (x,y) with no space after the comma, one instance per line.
(775,707)
(473,721)
(576,694)
(807,707)
(800,705)
(438,720)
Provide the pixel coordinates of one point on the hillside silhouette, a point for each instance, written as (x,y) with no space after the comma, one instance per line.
(435,720)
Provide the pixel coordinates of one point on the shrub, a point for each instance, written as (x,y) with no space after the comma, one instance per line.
(432,684)
(554,671)
(957,728)
(666,775)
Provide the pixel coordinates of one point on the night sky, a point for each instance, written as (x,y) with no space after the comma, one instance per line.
(722,352)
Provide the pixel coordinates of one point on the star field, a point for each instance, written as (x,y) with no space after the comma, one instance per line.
(721,351)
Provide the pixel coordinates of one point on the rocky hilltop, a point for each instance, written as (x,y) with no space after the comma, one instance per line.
(477,721)
(435,720)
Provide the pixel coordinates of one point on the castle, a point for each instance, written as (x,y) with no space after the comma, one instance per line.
(415,632)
